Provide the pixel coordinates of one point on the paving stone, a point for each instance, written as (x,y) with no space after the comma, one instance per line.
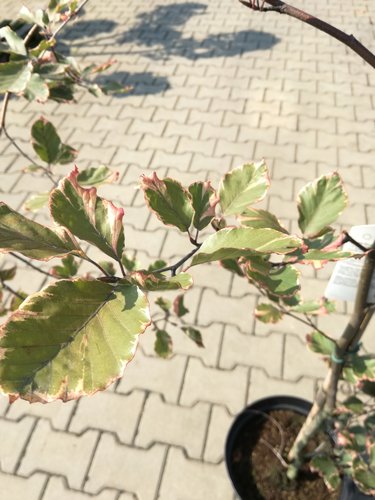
(185,479)
(57,490)
(102,410)
(59,453)
(132,466)
(15,487)
(183,130)
(215,386)
(13,438)
(219,309)
(262,386)
(251,350)
(180,421)
(299,361)
(220,423)
(57,412)
(154,374)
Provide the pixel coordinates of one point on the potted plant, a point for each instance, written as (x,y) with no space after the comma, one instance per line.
(75,336)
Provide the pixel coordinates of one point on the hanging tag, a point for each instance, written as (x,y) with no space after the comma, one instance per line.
(345,277)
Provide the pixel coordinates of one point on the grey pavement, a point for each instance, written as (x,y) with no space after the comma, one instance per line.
(215,85)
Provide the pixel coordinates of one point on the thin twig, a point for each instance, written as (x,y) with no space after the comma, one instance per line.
(69,18)
(30,264)
(85,257)
(30,34)
(122,268)
(10,290)
(348,40)
(178,264)
(348,238)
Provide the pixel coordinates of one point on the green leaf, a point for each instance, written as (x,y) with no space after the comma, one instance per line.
(15,43)
(204,200)
(40,17)
(193,334)
(360,368)
(36,202)
(233,266)
(130,264)
(320,255)
(8,274)
(159,282)
(261,219)
(178,306)
(163,344)
(37,89)
(45,140)
(108,267)
(81,343)
(47,143)
(43,46)
(169,201)
(354,404)
(158,264)
(327,468)
(231,243)
(317,342)
(16,302)
(242,187)
(322,306)
(14,76)
(68,269)
(19,234)
(267,313)
(320,203)
(95,176)
(365,480)
(282,282)
(88,216)
(164,304)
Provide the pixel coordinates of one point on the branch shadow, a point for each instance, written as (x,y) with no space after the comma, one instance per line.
(158,30)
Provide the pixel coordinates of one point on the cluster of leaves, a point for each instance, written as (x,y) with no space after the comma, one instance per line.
(353,422)
(87,351)
(31,64)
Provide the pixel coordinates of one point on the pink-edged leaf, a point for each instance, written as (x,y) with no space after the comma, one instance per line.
(242,187)
(267,313)
(88,216)
(320,203)
(22,235)
(87,334)
(204,200)
(193,334)
(230,243)
(168,200)
(178,306)
(159,282)
(261,219)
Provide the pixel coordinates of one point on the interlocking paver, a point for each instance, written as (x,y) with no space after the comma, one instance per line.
(15,487)
(176,432)
(133,469)
(58,413)
(214,85)
(59,453)
(57,490)
(102,411)
(183,476)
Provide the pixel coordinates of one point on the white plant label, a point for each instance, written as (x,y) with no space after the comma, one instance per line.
(344,279)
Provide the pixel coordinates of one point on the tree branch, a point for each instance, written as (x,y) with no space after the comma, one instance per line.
(348,40)
(30,264)
(178,264)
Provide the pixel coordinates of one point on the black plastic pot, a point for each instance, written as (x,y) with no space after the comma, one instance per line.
(253,412)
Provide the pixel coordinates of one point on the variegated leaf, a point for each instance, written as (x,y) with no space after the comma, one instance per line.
(80,344)
(19,234)
(88,216)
